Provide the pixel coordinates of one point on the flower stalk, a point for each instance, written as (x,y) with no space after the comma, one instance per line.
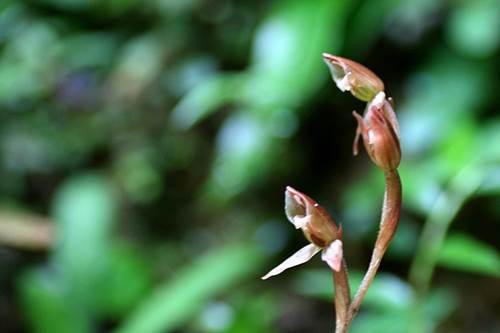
(342,299)
(388,224)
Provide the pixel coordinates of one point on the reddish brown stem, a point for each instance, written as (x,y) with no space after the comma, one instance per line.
(342,298)
(388,224)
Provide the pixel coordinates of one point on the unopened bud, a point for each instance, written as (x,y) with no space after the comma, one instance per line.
(311,218)
(318,228)
(380,132)
(356,78)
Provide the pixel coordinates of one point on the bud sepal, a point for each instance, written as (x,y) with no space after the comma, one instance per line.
(356,78)
(380,132)
(318,228)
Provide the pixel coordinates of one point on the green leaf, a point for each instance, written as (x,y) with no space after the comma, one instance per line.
(130,280)
(46,307)
(286,65)
(286,58)
(367,24)
(381,323)
(175,302)
(474,27)
(389,303)
(205,98)
(262,306)
(436,306)
(463,252)
(84,214)
(387,293)
(243,161)
(491,183)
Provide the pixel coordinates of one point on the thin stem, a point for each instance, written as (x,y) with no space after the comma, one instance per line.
(388,223)
(342,299)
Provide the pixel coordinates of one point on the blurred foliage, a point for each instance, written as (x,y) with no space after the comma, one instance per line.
(145,146)
(390,301)
(174,303)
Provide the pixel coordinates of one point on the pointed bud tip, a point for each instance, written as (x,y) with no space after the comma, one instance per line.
(328,56)
(351,76)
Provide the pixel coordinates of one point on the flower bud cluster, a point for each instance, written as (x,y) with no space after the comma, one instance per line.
(378,126)
(379,129)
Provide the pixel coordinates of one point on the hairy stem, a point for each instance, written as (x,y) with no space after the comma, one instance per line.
(388,223)
(342,299)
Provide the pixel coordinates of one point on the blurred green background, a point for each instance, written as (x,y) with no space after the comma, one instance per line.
(145,147)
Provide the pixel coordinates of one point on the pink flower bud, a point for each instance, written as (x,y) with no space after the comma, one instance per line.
(318,228)
(380,131)
(305,214)
(356,78)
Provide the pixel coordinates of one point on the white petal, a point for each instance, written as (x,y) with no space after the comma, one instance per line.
(344,84)
(301,256)
(300,222)
(378,100)
(333,255)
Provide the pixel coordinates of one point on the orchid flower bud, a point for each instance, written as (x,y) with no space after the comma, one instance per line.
(356,78)
(305,214)
(319,229)
(380,131)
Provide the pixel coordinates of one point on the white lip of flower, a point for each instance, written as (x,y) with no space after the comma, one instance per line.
(340,76)
(353,77)
(378,100)
(300,222)
(344,84)
(332,255)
